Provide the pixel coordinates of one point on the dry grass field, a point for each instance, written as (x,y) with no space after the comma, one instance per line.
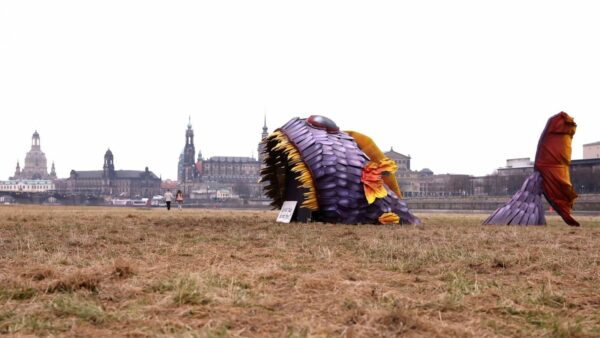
(133,272)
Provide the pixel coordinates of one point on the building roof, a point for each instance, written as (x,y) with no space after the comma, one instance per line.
(89,173)
(123,174)
(521,162)
(588,161)
(231,159)
(592,144)
(394,155)
(133,174)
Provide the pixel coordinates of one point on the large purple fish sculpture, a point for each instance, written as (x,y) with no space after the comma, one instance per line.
(335,176)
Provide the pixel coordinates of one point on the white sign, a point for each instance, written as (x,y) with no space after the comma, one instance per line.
(287,211)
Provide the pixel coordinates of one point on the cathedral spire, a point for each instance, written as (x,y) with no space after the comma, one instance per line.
(53,171)
(265,132)
(263,137)
(189,133)
(187,169)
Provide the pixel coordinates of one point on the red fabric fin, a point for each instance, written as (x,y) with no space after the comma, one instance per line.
(552,161)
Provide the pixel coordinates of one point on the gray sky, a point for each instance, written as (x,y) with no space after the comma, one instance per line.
(459,85)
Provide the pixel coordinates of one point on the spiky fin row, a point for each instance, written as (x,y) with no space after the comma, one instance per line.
(305,179)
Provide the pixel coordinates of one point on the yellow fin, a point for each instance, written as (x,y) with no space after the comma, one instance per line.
(368,146)
(389,218)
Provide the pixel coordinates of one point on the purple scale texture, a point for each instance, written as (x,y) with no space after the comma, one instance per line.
(524,208)
(335,162)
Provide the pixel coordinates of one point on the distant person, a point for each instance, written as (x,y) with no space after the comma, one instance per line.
(179,198)
(168,197)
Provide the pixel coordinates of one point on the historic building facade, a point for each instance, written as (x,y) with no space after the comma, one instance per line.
(36,165)
(585,177)
(239,174)
(402,161)
(109,182)
(26,185)
(229,169)
(418,183)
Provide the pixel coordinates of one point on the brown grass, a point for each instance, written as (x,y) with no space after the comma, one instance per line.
(128,272)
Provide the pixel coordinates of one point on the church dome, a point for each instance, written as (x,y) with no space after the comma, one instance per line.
(426,172)
(36,165)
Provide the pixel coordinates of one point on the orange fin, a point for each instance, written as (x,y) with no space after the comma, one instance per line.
(368,146)
(552,160)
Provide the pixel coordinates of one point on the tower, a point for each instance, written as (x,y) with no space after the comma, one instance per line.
(17,171)
(108,173)
(261,145)
(265,132)
(109,166)
(189,172)
(53,171)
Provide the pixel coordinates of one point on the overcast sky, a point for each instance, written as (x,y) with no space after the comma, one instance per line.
(459,85)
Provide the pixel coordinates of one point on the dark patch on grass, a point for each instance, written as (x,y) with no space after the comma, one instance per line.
(76,281)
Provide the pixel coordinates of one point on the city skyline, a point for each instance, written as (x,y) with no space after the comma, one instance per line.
(460,87)
(254,155)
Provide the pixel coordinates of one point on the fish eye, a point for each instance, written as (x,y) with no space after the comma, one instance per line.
(322,122)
